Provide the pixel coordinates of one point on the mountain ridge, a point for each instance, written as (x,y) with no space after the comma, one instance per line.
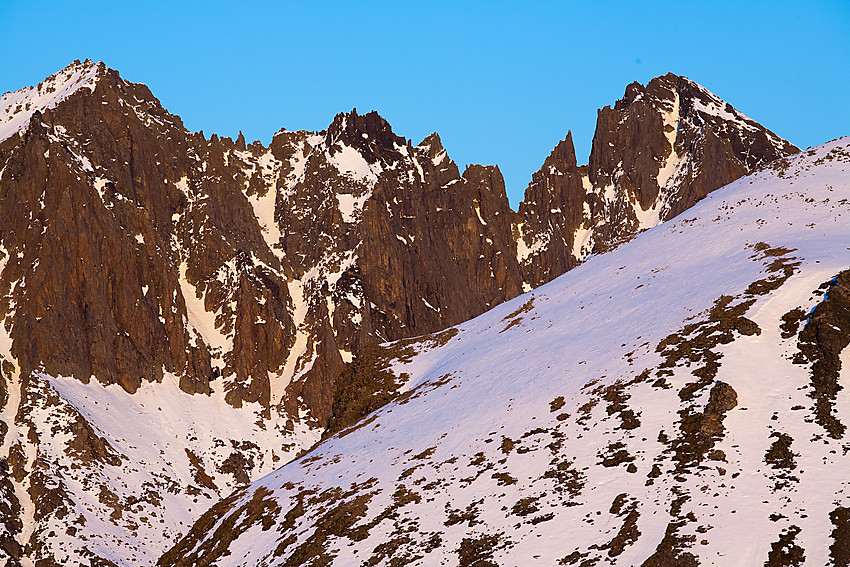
(636,411)
(151,267)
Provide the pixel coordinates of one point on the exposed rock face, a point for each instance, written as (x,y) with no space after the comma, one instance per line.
(551,213)
(658,151)
(384,240)
(104,199)
(137,257)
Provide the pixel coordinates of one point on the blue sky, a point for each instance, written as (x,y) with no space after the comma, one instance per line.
(502,82)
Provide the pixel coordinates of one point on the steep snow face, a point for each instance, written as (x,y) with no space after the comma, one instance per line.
(656,403)
(166,457)
(16,108)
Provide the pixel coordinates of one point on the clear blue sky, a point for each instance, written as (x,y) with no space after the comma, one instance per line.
(502,82)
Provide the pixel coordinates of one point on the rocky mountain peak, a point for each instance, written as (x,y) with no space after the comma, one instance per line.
(16,108)
(369,134)
(563,155)
(433,146)
(149,269)
(445,170)
(655,153)
(659,91)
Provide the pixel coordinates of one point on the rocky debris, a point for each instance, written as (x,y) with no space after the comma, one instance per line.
(671,550)
(478,551)
(781,458)
(839,551)
(258,510)
(785,552)
(627,508)
(825,335)
(701,430)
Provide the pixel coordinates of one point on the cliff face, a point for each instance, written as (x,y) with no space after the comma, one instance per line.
(215,290)
(656,153)
(386,240)
(127,232)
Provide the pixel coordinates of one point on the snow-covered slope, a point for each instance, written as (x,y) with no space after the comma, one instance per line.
(676,401)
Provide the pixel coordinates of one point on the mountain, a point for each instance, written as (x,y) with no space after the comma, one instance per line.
(182,315)
(676,401)
(660,150)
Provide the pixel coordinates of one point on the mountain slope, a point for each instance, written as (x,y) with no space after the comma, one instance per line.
(180,313)
(676,401)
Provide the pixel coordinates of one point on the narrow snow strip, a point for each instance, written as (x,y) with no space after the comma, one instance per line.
(202,320)
(296,292)
(264,208)
(671,128)
(478,212)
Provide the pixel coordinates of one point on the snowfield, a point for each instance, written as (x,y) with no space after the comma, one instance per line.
(648,407)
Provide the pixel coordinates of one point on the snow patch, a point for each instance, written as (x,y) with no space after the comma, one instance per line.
(351,206)
(350,162)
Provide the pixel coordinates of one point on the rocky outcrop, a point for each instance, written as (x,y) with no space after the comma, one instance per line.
(551,212)
(657,152)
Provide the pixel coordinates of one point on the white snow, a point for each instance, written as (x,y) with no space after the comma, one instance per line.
(290,370)
(671,123)
(429,306)
(203,321)
(151,428)
(524,251)
(264,203)
(478,214)
(650,217)
(351,206)
(715,106)
(351,162)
